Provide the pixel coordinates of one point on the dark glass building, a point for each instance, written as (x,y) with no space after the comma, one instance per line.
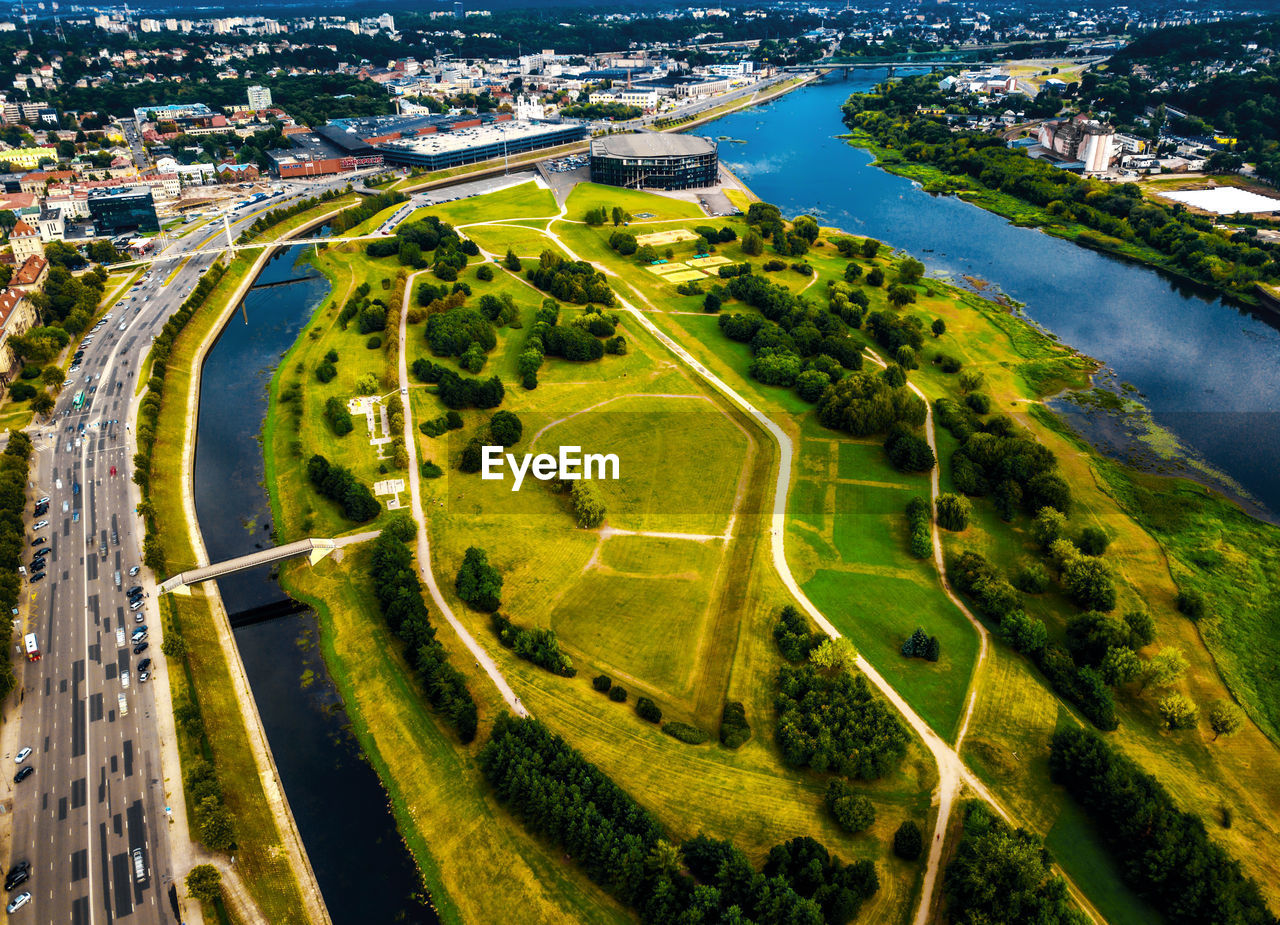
(654,160)
(118,210)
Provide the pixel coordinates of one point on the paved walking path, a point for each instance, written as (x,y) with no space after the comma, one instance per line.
(424,544)
(952,772)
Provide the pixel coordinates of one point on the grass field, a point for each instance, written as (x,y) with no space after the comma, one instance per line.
(686,621)
(586,196)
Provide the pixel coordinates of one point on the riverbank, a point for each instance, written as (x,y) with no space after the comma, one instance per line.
(221,722)
(1027,215)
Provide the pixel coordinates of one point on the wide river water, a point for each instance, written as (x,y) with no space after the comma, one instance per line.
(1208,372)
(364,870)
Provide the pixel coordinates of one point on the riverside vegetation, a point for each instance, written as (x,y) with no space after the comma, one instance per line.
(678,601)
(1112,217)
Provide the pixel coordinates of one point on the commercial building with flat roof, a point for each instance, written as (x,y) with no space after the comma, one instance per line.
(123,209)
(654,160)
(468,144)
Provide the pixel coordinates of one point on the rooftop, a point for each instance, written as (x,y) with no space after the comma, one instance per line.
(461,139)
(651,144)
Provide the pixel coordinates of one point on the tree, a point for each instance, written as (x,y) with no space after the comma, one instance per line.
(1191,603)
(1164,668)
(900,296)
(836,655)
(852,810)
(1225,718)
(618,216)
(939,327)
(1090,583)
(910,271)
(588,506)
(505,428)
(43,403)
(204,882)
(752,244)
(907,841)
(1120,665)
(1179,712)
(511,261)
(953,511)
(478,583)
(870,247)
(174,645)
(1093,541)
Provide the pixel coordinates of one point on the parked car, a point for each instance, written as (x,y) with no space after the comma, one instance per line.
(19,873)
(18,902)
(22,755)
(23,774)
(139,649)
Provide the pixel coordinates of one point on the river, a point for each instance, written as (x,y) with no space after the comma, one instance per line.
(1207,371)
(337,800)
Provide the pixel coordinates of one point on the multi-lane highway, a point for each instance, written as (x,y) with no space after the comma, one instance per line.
(91,819)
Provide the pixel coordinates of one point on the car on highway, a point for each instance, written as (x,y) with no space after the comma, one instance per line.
(124,678)
(22,755)
(23,774)
(18,902)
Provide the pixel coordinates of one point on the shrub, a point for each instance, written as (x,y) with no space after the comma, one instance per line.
(602,683)
(618,694)
(690,735)
(1191,603)
(920,525)
(484,273)
(791,633)
(326,371)
(646,709)
(337,483)
(907,841)
(539,646)
(953,511)
(907,451)
(430,470)
(922,645)
(734,730)
(478,583)
(850,809)
(978,403)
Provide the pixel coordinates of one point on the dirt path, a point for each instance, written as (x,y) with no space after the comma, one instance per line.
(424,544)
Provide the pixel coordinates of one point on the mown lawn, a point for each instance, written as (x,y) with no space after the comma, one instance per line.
(688,623)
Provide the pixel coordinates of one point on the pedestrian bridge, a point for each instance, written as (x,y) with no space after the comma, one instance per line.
(314,548)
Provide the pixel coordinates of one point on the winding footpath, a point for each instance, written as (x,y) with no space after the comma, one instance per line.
(477,651)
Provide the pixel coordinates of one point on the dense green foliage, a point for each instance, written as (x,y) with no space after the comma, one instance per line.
(835,723)
(337,483)
(478,583)
(539,646)
(1001,876)
(569,280)
(920,524)
(399,591)
(683,732)
(14,465)
(734,729)
(792,634)
(921,645)
(851,810)
(559,795)
(1114,215)
(1163,852)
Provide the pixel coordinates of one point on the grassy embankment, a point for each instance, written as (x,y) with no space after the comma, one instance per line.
(1023,213)
(205,678)
(686,622)
(1016,713)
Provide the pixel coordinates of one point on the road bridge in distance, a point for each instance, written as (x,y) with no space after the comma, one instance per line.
(315,548)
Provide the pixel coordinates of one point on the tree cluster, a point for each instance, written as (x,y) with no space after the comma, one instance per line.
(1002,876)
(399,592)
(573,281)
(1163,853)
(734,728)
(835,723)
(920,525)
(921,645)
(14,466)
(478,583)
(792,634)
(456,392)
(539,646)
(337,483)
